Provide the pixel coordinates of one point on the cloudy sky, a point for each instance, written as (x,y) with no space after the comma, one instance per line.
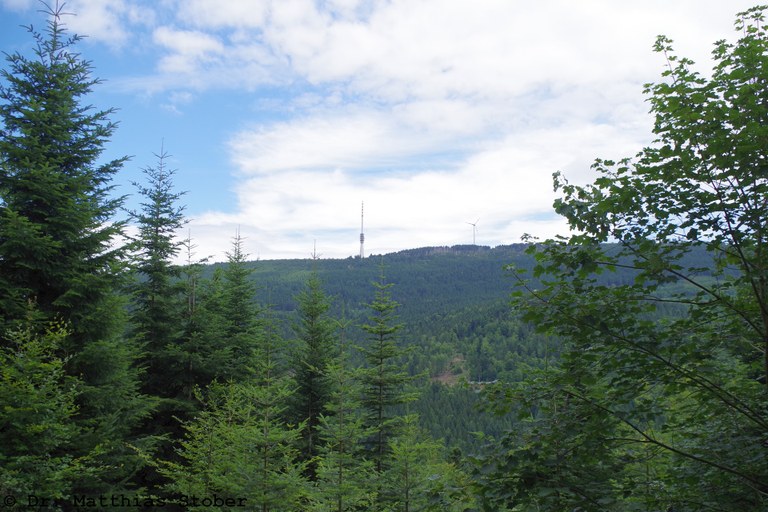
(282,116)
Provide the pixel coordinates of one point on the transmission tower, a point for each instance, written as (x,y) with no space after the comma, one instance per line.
(362,235)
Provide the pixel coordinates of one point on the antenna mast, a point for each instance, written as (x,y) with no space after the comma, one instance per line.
(362,235)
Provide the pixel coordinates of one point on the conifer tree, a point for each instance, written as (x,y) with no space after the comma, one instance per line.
(56,205)
(241,313)
(201,323)
(157,302)
(219,329)
(157,307)
(239,449)
(58,236)
(37,418)
(240,445)
(384,381)
(344,477)
(315,331)
(417,477)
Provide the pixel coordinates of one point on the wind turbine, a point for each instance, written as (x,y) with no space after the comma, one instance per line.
(474,228)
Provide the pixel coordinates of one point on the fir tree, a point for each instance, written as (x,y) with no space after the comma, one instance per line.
(157,309)
(58,237)
(383,380)
(37,418)
(241,313)
(344,477)
(313,388)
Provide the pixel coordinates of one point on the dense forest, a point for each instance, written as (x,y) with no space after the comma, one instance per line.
(622,367)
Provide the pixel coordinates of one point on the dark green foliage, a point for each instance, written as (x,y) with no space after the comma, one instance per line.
(195,354)
(157,307)
(315,350)
(217,340)
(239,445)
(660,398)
(58,239)
(241,314)
(55,230)
(418,478)
(383,379)
(157,304)
(460,296)
(221,325)
(454,414)
(344,478)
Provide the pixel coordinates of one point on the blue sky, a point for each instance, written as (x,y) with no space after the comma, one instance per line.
(282,116)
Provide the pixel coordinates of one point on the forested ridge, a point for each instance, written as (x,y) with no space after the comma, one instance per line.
(621,367)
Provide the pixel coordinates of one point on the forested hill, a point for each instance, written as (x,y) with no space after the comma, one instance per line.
(426,281)
(447,295)
(454,303)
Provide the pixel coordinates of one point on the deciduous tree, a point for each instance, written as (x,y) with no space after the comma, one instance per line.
(674,361)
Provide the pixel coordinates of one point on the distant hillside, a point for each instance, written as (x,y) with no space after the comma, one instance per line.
(426,280)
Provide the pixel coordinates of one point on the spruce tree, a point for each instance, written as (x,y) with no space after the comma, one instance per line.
(239,449)
(418,478)
(58,237)
(241,313)
(156,294)
(201,324)
(56,202)
(384,381)
(37,418)
(157,301)
(315,331)
(344,478)
(219,328)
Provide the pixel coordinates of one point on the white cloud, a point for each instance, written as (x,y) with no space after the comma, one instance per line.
(503,105)
(217,13)
(507,184)
(425,49)
(435,112)
(365,139)
(113,22)
(187,49)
